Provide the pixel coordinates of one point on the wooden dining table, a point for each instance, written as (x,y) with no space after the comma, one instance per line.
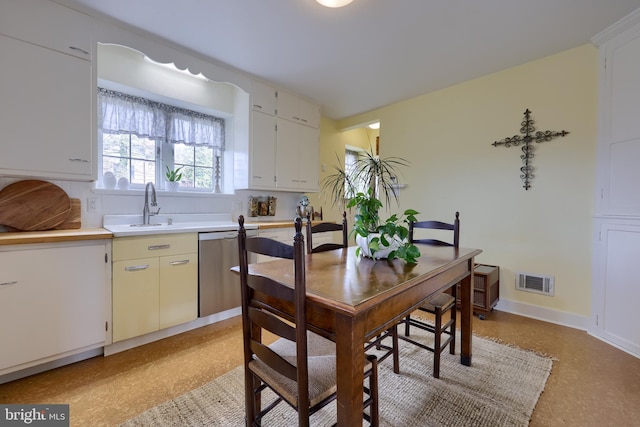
(352,299)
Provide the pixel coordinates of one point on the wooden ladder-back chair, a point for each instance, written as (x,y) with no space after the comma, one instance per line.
(300,366)
(391,332)
(439,304)
(324,227)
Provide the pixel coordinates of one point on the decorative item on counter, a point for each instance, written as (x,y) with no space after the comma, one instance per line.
(272,206)
(123,183)
(263,206)
(109,180)
(304,209)
(253,206)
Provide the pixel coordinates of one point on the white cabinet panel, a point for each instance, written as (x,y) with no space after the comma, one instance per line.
(263,151)
(52,302)
(618,318)
(623,65)
(297,109)
(263,98)
(155,283)
(45,113)
(49,25)
(297,157)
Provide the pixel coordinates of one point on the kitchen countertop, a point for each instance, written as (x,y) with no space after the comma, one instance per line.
(53,236)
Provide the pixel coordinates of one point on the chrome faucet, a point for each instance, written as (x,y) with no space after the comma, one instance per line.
(146,212)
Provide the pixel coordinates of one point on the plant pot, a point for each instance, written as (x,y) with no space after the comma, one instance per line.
(172,185)
(382,253)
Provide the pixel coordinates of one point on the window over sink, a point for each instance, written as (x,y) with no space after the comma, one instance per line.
(153,118)
(142,139)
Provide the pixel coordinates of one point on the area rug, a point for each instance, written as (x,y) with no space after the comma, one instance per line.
(501,388)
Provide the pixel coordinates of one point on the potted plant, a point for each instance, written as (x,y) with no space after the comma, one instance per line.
(363,185)
(173,178)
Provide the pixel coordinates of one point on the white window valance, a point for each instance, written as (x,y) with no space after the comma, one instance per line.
(120,113)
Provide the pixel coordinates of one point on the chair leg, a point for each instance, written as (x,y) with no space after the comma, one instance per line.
(373,387)
(452,344)
(396,357)
(437,343)
(407,320)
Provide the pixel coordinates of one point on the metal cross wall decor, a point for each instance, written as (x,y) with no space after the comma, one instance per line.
(527,149)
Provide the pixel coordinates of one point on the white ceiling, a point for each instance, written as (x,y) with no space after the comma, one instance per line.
(370,53)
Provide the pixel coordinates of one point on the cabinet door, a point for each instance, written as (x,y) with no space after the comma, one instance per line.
(52,301)
(263,98)
(288,106)
(297,157)
(616,291)
(620,154)
(49,25)
(263,151)
(178,289)
(136,298)
(309,155)
(288,155)
(309,113)
(46,113)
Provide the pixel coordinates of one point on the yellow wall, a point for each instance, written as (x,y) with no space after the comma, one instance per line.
(447,136)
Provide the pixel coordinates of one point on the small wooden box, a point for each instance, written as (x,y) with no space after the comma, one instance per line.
(486,289)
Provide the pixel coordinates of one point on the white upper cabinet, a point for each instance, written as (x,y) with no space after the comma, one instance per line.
(46,91)
(50,25)
(619,128)
(263,98)
(283,152)
(297,157)
(262,158)
(297,109)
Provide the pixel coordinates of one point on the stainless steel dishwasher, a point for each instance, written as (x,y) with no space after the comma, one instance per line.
(218,288)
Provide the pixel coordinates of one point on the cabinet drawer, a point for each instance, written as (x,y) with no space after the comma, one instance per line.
(150,246)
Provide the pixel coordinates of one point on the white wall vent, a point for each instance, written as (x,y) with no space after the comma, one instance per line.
(535,283)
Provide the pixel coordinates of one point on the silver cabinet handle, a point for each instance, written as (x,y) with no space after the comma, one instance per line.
(136,267)
(182,262)
(15,282)
(156,247)
(257,106)
(79,160)
(77,49)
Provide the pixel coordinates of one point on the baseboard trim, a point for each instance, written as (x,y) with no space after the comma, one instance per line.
(46,366)
(174,330)
(545,314)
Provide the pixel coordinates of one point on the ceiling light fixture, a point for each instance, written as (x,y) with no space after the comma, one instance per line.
(334,3)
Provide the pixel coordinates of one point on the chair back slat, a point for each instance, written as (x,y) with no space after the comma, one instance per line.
(437,225)
(271,323)
(269,247)
(274,360)
(324,227)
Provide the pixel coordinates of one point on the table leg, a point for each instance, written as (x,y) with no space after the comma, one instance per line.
(466,316)
(350,369)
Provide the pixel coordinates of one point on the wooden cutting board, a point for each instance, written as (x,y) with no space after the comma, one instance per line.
(33,205)
(74,219)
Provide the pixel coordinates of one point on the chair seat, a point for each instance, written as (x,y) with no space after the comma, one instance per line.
(442,301)
(316,346)
(322,379)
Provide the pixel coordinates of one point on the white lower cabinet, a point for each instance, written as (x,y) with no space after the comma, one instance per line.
(53,301)
(155,283)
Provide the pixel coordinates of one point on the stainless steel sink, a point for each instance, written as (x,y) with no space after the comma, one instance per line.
(144,225)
